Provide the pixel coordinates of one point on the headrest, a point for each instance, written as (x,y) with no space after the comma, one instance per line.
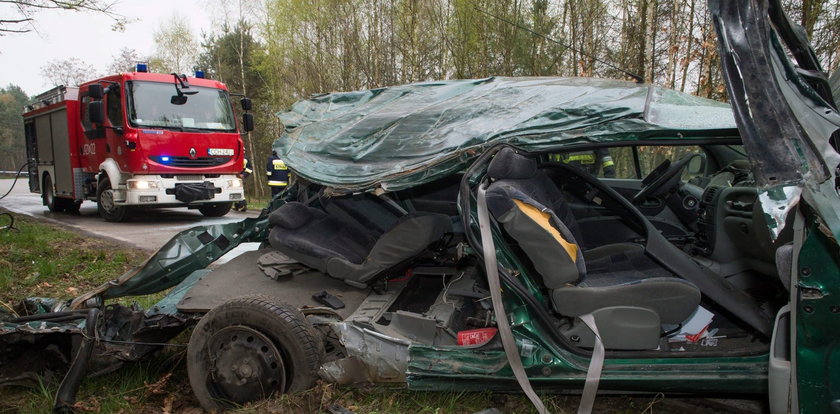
(507,164)
(291,215)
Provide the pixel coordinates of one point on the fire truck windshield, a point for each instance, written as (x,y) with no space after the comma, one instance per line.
(149,105)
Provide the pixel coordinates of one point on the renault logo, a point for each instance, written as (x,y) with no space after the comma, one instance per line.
(192,152)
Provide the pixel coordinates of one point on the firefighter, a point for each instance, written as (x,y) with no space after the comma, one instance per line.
(589,161)
(278,174)
(242,205)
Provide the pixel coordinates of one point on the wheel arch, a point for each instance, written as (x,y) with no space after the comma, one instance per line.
(110,170)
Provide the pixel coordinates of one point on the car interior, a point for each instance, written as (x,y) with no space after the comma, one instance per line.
(640,251)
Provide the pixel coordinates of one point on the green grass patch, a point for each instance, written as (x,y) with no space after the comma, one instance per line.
(43,259)
(257,203)
(146,384)
(397,399)
(40,259)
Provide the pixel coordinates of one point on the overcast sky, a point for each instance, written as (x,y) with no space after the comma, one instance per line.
(88,36)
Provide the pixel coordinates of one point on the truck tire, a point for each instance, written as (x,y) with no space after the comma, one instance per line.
(105,203)
(250,347)
(215,209)
(56,204)
(48,195)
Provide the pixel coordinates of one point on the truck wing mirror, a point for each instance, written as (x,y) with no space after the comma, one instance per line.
(95,114)
(246,104)
(96,91)
(248,122)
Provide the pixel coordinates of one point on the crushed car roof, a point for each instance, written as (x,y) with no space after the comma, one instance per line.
(403,136)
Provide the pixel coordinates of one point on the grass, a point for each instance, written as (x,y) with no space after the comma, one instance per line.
(41,259)
(47,260)
(257,203)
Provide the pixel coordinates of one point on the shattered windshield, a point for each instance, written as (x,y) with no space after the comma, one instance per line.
(149,105)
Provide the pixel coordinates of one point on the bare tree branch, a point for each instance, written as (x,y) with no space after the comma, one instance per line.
(26,9)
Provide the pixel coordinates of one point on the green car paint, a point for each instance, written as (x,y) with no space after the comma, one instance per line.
(817,316)
(412,134)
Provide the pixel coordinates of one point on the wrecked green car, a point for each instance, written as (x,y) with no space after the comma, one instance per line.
(510,233)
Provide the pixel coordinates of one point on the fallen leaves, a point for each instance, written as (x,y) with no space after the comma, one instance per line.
(158,387)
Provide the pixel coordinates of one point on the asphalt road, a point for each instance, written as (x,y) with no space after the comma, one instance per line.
(149,230)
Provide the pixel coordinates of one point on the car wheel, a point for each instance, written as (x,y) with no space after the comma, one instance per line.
(248,348)
(215,209)
(105,203)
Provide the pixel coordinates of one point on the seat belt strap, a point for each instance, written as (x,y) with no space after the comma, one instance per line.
(502,323)
(596,365)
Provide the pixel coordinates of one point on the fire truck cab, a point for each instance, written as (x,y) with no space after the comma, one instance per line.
(136,139)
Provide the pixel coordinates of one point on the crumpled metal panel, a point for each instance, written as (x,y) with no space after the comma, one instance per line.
(776,203)
(188,251)
(371,357)
(403,136)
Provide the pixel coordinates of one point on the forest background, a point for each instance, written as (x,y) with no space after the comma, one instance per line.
(280,51)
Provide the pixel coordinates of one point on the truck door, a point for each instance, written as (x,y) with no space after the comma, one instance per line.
(93,136)
(32,156)
(114,138)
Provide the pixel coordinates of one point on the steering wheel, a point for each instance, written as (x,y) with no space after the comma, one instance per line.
(662,179)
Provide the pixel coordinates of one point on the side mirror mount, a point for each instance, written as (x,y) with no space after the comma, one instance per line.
(247,122)
(178,99)
(95,113)
(96,91)
(246,104)
(697,165)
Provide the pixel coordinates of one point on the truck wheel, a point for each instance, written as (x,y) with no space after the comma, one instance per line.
(248,348)
(215,209)
(105,203)
(48,195)
(57,204)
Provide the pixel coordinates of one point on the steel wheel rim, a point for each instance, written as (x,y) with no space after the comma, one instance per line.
(106,200)
(245,365)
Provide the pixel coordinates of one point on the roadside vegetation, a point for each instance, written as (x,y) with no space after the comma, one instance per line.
(39,259)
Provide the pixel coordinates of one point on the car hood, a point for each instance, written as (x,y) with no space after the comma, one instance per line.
(403,136)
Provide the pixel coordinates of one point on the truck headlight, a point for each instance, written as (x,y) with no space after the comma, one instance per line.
(235,183)
(142,184)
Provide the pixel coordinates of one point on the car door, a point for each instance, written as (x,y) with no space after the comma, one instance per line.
(788,122)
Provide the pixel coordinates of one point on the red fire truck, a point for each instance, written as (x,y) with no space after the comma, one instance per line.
(136,139)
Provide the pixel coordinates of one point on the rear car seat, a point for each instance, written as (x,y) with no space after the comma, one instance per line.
(348,251)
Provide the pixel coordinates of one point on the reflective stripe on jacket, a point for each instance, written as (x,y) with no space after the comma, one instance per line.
(277,172)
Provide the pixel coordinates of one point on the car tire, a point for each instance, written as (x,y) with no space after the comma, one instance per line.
(250,347)
(105,203)
(215,209)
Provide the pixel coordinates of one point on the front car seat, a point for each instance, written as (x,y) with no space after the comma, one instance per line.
(629,302)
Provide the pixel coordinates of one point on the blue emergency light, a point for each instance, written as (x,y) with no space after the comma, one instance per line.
(199,74)
(164,159)
(141,67)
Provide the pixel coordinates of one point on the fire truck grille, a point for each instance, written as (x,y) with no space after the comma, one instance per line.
(187,162)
